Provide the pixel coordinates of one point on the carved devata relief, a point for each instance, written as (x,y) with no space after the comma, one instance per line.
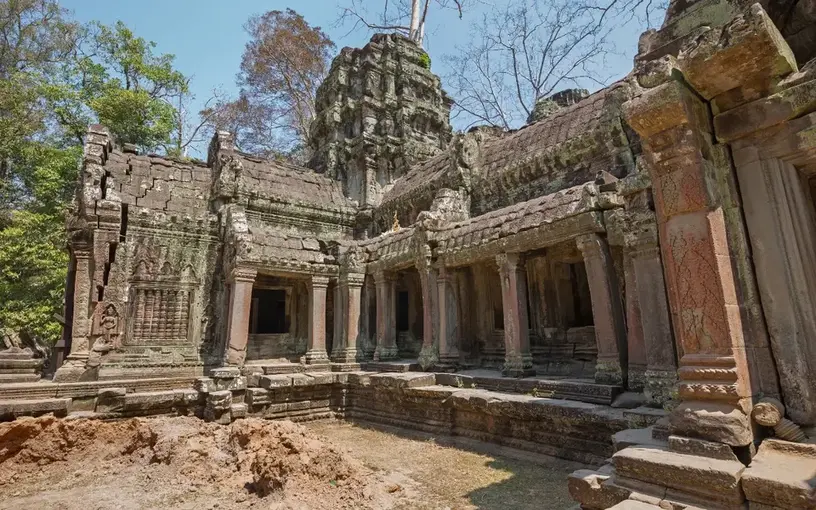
(161,296)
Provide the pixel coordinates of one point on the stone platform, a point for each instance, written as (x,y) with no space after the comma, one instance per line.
(428,402)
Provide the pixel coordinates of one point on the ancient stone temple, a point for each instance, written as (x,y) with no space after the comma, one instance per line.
(627,280)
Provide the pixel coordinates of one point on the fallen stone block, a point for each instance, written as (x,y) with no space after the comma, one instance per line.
(238,411)
(219,400)
(588,488)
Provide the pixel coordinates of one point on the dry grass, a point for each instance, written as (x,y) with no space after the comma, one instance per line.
(430,476)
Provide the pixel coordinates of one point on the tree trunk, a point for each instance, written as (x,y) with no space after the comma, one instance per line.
(414,32)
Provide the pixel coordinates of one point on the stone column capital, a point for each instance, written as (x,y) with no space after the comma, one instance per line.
(352,279)
(243,274)
(590,245)
(319,281)
(510,262)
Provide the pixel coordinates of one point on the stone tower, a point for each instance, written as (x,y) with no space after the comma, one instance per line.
(379,110)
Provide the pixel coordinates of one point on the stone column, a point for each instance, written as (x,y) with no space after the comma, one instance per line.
(518,362)
(350,291)
(77,357)
(607,310)
(386,320)
(429,353)
(316,348)
(239,307)
(368,331)
(661,359)
(686,166)
(635,342)
(449,333)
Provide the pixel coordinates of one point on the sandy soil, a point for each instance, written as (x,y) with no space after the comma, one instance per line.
(183,463)
(434,476)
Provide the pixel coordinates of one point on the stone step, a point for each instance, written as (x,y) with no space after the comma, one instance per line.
(18,354)
(16,364)
(11,409)
(635,437)
(631,504)
(779,474)
(19,378)
(390,366)
(710,479)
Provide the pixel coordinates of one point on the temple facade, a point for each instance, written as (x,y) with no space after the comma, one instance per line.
(654,238)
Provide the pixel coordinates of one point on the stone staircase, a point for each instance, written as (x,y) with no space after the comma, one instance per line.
(682,473)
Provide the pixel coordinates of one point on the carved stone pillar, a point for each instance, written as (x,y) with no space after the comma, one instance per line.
(77,357)
(240,305)
(368,330)
(449,332)
(429,353)
(350,294)
(661,359)
(607,310)
(316,347)
(518,362)
(685,164)
(635,341)
(386,319)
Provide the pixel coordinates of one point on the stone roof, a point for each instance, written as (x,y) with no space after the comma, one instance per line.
(565,149)
(290,183)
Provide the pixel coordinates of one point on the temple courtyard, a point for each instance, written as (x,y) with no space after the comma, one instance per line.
(185,463)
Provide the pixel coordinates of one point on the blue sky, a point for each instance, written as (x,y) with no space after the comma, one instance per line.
(208,39)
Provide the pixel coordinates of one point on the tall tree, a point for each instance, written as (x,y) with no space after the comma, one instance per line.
(55,78)
(527,49)
(283,63)
(115,78)
(408,17)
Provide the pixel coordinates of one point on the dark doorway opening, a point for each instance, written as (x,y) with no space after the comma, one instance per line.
(403,305)
(270,307)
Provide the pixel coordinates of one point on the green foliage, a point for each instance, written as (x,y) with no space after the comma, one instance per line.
(116,80)
(56,78)
(425,60)
(33,261)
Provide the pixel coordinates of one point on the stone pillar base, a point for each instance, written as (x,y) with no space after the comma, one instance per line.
(520,365)
(428,357)
(659,386)
(608,372)
(712,421)
(73,370)
(386,353)
(345,367)
(636,380)
(448,362)
(316,357)
(347,355)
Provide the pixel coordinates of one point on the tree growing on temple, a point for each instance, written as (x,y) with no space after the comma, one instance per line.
(408,17)
(284,62)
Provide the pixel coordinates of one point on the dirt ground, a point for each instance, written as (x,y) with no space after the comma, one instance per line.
(433,476)
(183,463)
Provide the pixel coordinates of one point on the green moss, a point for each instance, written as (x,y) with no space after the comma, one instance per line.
(425,60)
